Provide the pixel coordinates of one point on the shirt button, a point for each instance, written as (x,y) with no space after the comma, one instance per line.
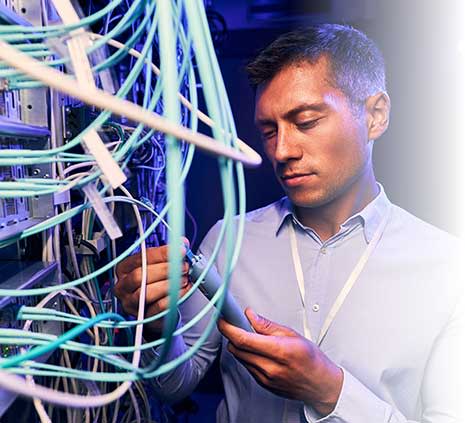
(323,251)
(315,307)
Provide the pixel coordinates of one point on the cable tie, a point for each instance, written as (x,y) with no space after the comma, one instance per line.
(77,46)
(103,213)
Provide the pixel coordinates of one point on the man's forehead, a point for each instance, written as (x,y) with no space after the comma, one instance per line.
(318,70)
(294,85)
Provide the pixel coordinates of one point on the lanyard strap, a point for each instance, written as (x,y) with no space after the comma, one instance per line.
(347,286)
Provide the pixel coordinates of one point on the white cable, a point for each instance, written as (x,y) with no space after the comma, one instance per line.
(73,167)
(135,404)
(77,44)
(38,405)
(44,417)
(94,401)
(93,335)
(140,388)
(20,386)
(116,411)
(72,251)
(75,179)
(61,173)
(101,99)
(103,369)
(202,116)
(83,297)
(143,287)
(65,361)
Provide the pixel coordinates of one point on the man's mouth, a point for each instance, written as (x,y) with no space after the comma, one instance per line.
(296,179)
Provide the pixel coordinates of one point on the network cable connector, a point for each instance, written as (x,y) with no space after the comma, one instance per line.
(231,311)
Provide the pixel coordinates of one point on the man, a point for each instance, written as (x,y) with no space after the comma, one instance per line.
(362,300)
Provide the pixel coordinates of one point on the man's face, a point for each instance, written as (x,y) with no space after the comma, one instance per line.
(317,145)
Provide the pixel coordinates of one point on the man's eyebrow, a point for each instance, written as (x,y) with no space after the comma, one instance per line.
(315,107)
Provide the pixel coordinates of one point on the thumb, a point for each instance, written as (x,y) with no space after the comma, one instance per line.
(264,326)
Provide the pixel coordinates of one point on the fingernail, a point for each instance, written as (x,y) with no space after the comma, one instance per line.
(254,315)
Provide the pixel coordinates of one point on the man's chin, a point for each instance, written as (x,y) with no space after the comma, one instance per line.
(308,200)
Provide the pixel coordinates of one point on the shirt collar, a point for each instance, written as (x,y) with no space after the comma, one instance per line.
(370,216)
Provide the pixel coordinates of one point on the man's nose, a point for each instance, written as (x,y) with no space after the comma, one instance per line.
(287,147)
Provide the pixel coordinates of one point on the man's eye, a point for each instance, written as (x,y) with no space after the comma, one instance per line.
(307,124)
(267,135)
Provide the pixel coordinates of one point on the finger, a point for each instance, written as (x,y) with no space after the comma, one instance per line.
(131,303)
(154,255)
(266,345)
(156,291)
(265,326)
(185,241)
(269,382)
(156,308)
(263,381)
(267,365)
(164,303)
(257,374)
(155,273)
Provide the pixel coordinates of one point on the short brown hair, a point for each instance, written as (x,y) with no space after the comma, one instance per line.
(356,63)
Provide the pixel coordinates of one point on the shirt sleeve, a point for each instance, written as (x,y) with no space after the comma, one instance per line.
(442,392)
(178,383)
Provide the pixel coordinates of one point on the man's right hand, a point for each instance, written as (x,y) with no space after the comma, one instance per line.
(127,289)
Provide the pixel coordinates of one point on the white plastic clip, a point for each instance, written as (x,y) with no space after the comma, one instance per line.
(61,197)
(102,212)
(77,45)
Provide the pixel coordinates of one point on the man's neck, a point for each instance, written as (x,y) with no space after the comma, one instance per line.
(326,220)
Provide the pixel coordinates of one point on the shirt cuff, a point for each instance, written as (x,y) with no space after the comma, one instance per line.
(177,347)
(356,403)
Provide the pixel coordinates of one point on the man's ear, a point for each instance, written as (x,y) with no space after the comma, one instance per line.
(377,108)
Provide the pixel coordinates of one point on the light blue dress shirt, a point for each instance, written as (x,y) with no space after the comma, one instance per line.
(398,336)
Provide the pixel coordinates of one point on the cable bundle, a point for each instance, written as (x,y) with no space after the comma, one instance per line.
(47,56)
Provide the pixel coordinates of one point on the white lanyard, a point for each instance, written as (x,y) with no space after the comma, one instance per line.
(348,285)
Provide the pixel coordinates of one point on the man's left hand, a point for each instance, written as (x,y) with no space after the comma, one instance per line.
(285,362)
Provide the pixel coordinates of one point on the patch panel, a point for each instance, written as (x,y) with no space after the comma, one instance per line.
(20,275)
